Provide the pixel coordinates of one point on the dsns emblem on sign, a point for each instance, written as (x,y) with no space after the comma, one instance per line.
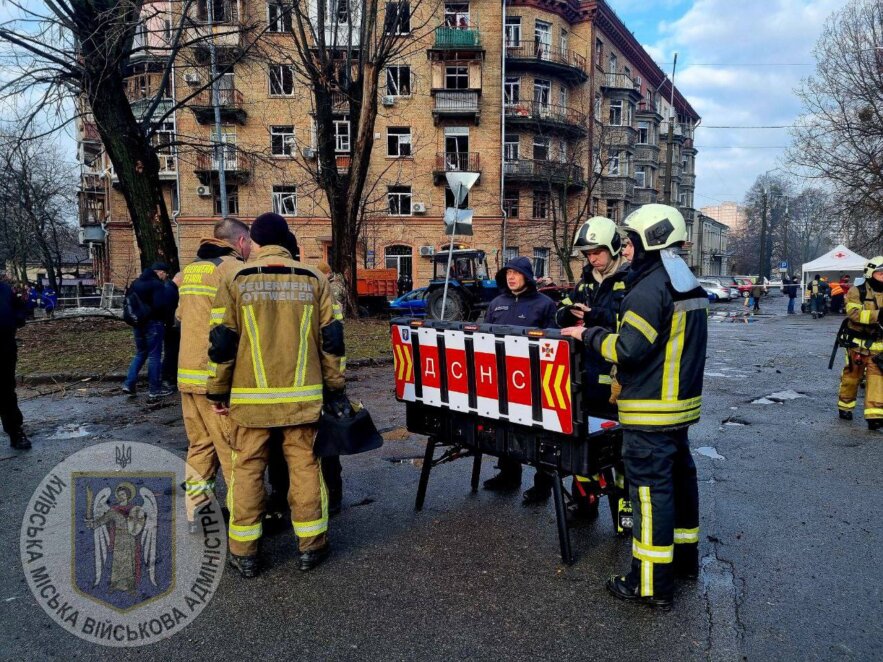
(406,334)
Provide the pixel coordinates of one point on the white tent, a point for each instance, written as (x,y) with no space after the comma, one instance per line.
(833,264)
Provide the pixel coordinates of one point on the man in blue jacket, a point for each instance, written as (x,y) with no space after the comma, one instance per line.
(12,316)
(150,288)
(519,304)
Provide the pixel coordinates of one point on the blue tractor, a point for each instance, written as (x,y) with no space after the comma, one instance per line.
(470,288)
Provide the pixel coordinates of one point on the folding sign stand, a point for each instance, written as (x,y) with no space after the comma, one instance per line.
(478,389)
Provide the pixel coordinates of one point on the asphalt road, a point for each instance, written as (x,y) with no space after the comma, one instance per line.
(791,537)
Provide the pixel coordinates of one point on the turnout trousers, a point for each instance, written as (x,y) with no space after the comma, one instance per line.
(307,495)
(858,366)
(9,411)
(208,436)
(665,501)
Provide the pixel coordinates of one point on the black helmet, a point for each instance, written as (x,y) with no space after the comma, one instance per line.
(346,435)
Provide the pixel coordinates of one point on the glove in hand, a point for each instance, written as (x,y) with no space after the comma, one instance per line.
(337,404)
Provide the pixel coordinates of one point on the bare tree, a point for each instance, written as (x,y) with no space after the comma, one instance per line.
(341,50)
(71,58)
(839,138)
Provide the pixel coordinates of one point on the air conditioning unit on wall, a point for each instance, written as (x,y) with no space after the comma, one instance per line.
(308,153)
(419,207)
(388,100)
(427,251)
(203,191)
(191,78)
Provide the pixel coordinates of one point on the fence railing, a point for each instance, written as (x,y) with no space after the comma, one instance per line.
(456,101)
(544,111)
(541,52)
(449,36)
(227,98)
(457,161)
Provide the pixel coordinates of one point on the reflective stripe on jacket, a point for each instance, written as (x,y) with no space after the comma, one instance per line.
(659,351)
(197,291)
(863,310)
(275,341)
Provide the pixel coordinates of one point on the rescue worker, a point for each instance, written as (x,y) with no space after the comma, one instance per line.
(865,340)
(595,301)
(837,294)
(816,292)
(659,352)
(519,304)
(207,433)
(13,311)
(280,356)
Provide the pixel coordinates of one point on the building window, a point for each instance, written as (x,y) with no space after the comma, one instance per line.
(232,199)
(342,135)
(563,151)
(540,262)
(398,141)
(399,258)
(563,41)
(613,211)
(457,14)
(542,92)
(449,199)
(340,9)
(614,166)
(509,254)
(513,30)
(540,204)
(563,96)
(644,133)
(285,200)
(510,203)
(282,140)
(457,78)
(510,147)
(278,17)
(542,36)
(541,148)
(615,118)
(398,81)
(399,200)
(597,107)
(641,177)
(599,52)
(281,80)
(164,144)
(612,64)
(222,10)
(512,89)
(398,17)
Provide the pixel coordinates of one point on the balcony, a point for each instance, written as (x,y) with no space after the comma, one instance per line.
(230,102)
(238,166)
(90,132)
(534,56)
(446,162)
(558,119)
(618,188)
(645,196)
(536,171)
(620,86)
(621,137)
(462,39)
(675,172)
(645,108)
(688,181)
(226,29)
(456,103)
(647,154)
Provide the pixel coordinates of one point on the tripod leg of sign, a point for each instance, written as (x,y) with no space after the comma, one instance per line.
(476,471)
(561,516)
(424,473)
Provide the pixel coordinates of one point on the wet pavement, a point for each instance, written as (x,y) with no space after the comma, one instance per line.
(790,535)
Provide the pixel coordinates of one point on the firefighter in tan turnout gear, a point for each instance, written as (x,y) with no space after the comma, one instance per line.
(207,432)
(863,338)
(280,356)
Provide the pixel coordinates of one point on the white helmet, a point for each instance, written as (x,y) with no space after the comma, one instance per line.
(659,226)
(598,232)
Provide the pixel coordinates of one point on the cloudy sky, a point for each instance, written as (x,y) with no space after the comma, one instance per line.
(738,64)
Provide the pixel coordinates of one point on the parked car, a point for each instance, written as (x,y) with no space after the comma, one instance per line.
(410,304)
(727,281)
(716,291)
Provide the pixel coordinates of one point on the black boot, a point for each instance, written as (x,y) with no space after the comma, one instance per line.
(248,566)
(873,424)
(686,562)
(845,415)
(19,440)
(503,481)
(620,587)
(309,560)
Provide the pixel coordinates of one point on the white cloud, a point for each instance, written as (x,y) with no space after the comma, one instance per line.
(727,33)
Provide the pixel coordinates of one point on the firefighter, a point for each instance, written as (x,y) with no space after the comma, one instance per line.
(207,433)
(519,304)
(280,356)
(865,343)
(659,351)
(595,301)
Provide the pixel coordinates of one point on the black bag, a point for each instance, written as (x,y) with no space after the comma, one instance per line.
(135,311)
(347,435)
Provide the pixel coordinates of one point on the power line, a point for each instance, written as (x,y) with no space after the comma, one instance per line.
(704,147)
(748,64)
(775,126)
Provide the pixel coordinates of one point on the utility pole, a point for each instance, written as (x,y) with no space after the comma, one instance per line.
(671,135)
(785,240)
(761,269)
(218,147)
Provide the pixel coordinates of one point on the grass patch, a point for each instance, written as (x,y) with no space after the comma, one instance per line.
(97,345)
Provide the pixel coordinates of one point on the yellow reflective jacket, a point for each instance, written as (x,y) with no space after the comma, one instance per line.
(276,342)
(197,291)
(863,310)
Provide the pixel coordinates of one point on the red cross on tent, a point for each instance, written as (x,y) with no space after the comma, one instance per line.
(840,255)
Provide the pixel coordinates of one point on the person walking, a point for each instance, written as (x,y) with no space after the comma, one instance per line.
(659,351)
(207,434)
(816,292)
(149,288)
(13,312)
(519,304)
(791,292)
(280,361)
(756,293)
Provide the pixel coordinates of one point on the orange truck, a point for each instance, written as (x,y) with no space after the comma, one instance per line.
(376,287)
